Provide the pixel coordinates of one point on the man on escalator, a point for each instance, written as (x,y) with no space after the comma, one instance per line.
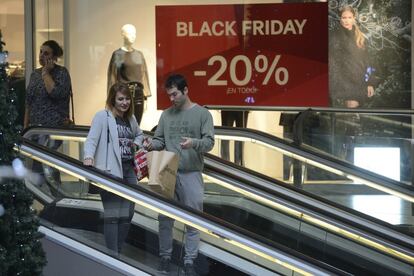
(187,129)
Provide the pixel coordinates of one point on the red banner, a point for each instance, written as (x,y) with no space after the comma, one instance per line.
(252,54)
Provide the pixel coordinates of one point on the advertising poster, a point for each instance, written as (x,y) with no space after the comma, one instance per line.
(246,54)
(384,60)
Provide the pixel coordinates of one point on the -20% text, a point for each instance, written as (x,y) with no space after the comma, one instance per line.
(278,74)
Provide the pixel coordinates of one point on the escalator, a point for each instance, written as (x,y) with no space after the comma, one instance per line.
(69,210)
(271,212)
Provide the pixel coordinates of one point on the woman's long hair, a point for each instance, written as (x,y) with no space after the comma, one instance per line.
(359,36)
(124,90)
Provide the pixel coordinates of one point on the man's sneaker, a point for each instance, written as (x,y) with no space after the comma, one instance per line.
(164,266)
(189,270)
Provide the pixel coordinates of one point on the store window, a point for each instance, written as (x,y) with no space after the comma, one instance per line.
(48,25)
(12,29)
(91,33)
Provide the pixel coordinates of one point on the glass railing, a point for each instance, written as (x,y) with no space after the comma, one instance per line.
(376,140)
(379,142)
(274,219)
(316,172)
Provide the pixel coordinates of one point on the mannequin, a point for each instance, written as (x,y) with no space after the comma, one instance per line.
(128,65)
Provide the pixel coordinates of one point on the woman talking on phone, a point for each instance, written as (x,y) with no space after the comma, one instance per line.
(48,93)
(47,103)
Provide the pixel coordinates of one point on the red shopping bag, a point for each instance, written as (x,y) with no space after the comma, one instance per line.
(141,164)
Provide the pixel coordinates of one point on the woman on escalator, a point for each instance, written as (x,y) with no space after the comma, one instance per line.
(110,145)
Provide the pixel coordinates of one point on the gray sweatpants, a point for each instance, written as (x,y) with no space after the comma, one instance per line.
(189,190)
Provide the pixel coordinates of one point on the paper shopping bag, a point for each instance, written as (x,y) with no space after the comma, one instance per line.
(140,164)
(162,171)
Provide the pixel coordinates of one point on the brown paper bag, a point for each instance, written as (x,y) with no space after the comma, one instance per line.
(162,172)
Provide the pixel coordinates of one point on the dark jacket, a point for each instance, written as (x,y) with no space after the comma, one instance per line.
(348,65)
(49,109)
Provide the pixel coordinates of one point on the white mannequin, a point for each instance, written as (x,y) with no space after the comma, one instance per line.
(129,33)
(128,65)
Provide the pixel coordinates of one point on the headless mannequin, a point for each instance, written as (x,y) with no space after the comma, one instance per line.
(128,65)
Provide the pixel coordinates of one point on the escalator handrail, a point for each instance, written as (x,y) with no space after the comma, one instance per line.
(272,140)
(326,160)
(296,109)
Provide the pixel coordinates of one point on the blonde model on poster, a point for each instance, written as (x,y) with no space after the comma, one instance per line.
(350,79)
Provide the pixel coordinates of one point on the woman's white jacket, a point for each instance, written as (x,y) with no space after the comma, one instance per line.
(102,143)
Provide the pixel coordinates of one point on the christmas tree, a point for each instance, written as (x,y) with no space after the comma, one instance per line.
(21,252)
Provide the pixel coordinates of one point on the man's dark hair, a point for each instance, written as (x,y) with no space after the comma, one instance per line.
(176,80)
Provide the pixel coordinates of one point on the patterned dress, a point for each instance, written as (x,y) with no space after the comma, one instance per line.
(49,109)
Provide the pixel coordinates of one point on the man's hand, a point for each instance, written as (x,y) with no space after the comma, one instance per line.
(187,143)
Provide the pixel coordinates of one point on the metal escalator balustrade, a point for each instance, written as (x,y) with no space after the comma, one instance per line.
(309,157)
(142,198)
(347,230)
(344,133)
(355,184)
(324,162)
(338,228)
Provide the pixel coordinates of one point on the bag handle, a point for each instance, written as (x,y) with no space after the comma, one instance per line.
(107,139)
(72,106)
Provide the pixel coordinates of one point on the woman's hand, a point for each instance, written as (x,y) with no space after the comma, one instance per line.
(49,64)
(88,161)
(371,91)
(46,76)
(147,144)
